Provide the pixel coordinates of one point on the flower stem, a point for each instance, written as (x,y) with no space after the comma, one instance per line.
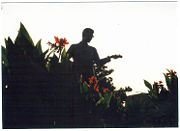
(60,55)
(50,54)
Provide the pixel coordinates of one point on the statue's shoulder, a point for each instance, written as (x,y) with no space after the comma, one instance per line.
(92,48)
(74,46)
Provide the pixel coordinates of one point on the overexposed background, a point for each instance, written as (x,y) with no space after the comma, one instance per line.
(144,33)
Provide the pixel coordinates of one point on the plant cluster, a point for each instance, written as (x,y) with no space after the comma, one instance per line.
(40,90)
(157,90)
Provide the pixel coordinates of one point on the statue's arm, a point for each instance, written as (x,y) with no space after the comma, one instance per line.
(100,61)
(105,60)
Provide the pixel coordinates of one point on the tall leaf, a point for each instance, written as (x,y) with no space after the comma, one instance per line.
(23,33)
(9,43)
(85,87)
(101,100)
(24,41)
(168,81)
(39,47)
(155,92)
(4,56)
(148,85)
(107,99)
(64,56)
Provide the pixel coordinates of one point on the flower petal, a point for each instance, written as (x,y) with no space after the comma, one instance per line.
(56,39)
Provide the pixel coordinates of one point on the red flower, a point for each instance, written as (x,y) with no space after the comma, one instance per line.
(93,81)
(95,85)
(91,78)
(97,89)
(155,83)
(61,42)
(90,81)
(105,89)
(160,82)
(167,74)
(56,39)
(159,87)
(171,71)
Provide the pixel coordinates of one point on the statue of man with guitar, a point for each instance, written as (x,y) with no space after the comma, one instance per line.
(84,56)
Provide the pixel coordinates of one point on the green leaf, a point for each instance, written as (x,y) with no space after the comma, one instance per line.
(48,66)
(44,53)
(25,33)
(85,87)
(8,43)
(155,92)
(119,102)
(39,47)
(64,56)
(4,56)
(22,36)
(107,98)
(100,101)
(100,95)
(168,70)
(168,81)
(148,85)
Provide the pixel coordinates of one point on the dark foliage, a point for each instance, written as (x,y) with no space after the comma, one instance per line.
(40,92)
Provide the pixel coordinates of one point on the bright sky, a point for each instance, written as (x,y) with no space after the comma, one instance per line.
(144,33)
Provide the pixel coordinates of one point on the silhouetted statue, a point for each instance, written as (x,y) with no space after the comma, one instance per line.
(85,56)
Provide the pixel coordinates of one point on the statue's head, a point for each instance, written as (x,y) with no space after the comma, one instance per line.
(87,34)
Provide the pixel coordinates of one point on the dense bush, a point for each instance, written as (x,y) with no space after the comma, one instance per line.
(41,90)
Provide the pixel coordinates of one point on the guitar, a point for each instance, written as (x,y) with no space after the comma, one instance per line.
(115,56)
(107,59)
